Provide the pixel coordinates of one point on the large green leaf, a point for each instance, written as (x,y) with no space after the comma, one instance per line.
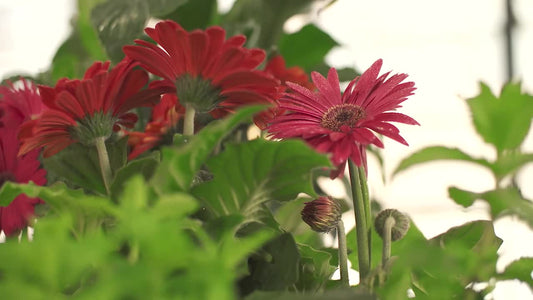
(336,294)
(78,165)
(315,269)
(504,121)
(438,153)
(502,202)
(277,266)
(510,162)
(145,166)
(181,163)
(118,23)
(250,174)
(264,17)
(194,14)
(307,47)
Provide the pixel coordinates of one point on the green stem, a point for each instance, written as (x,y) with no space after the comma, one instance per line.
(343,254)
(368,211)
(387,240)
(188,121)
(103,159)
(363,247)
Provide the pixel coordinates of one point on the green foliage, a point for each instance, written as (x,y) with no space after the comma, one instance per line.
(505,121)
(262,19)
(181,163)
(502,202)
(194,14)
(248,175)
(78,165)
(306,47)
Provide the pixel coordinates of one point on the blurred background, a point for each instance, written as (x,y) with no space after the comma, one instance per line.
(446,47)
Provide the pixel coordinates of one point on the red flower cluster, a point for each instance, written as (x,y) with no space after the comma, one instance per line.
(344,124)
(17,106)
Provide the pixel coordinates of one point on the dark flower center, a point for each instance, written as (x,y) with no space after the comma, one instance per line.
(343,114)
(6,176)
(198,92)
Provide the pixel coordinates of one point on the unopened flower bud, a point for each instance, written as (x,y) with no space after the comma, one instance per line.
(322,214)
(399,227)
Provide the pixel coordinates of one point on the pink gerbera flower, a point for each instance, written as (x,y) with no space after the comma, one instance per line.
(208,73)
(18,105)
(94,107)
(345,124)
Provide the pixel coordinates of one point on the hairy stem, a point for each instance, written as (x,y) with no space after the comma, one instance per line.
(363,247)
(343,254)
(387,240)
(188,122)
(103,159)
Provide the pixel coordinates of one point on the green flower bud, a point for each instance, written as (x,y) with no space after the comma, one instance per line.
(400,227)
(322,214)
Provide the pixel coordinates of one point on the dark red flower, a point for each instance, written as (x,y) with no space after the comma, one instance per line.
(207,71)
(344,124)
(18,105)
(165,117)
(82,110)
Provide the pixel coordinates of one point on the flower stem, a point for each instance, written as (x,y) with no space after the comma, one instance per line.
(188,122)
(368,211)
(363,247)
(387,240)
(103,159)
(343,254)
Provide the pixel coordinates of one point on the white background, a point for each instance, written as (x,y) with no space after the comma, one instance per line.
(446,47)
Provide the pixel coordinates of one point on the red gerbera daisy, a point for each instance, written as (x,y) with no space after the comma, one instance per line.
(208,72)
(17,106)
(344,124)
(94,107)
(165,117)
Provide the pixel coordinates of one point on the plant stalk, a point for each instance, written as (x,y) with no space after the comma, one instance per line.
(363,247)
(103,159)
(368,211)
(188,122)
(343,254)
(387,240)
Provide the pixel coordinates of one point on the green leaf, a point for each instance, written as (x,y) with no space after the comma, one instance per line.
(278,266)
(145,166)
(510,162)
(504,121)
(336,294)
(78,165)
(307,47)
(193,14)
(265,17)
(315,269)
(502,202)
(118,23)
(162,7)
(520,269)
(250,174)
(437,153)
(180,164)
(462,197)
(81,48)
(59,197)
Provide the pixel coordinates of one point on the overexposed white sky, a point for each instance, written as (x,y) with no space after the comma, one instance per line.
(446,47)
